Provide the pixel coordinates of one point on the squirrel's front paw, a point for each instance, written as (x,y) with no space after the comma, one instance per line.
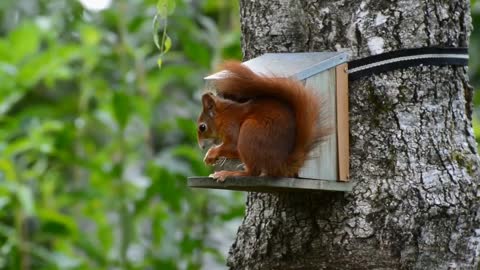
(210,160)
(211,157)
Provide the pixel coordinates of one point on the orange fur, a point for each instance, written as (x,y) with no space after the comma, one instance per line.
(270,123)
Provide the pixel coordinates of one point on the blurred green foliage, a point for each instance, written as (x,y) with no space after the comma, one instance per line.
(474,66)
(97,134)
(96,141)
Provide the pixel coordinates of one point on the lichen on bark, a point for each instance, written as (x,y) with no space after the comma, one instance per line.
(413,156)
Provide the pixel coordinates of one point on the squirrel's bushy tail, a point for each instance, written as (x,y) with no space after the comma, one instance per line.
(242,83)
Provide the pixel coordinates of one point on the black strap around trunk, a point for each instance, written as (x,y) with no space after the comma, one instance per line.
(406,58)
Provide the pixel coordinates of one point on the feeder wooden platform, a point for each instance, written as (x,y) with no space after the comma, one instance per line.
(267,184)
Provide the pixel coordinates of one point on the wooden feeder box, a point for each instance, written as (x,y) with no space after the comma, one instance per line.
(328,169)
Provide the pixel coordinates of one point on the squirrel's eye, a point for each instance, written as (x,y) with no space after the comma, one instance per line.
(202,127)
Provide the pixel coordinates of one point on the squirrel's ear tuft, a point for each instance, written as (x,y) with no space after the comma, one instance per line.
(208,101)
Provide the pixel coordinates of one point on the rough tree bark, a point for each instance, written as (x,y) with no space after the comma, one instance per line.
(413,156)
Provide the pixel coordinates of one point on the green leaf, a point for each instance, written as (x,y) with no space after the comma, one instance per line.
(9,101)
(159,62)
(4,201)
(166,185)
(5,50)
(93,251)
(189,128)
(233,212)
(7,170)
(476,97)
(46,64)
(90,35)
(196,51)
(476,127)
(57,223)
(121,108)
(165,7)
(167,44)
(25,197)
(26,40)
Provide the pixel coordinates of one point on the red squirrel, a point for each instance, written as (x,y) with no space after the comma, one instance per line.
(269,123)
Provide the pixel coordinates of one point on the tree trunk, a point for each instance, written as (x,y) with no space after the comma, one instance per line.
(413,156)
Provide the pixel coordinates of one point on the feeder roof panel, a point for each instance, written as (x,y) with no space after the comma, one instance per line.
(295,65)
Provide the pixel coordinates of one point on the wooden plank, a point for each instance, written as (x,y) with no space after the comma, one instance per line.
(343,129)
(323,162)
(267,184)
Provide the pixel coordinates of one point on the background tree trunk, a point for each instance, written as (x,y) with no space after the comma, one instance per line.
(413,156)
